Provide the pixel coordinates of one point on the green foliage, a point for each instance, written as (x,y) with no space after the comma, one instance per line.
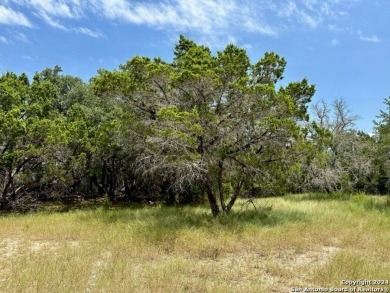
(382,158)
(233,66)
(213,122)
(301,92)
(204,124)
(269,69)
(27,121)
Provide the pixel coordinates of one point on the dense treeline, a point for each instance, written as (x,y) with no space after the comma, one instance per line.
(203,126)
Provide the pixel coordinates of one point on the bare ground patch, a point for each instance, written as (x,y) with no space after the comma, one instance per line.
(97,269)
(277,270)
(9,247)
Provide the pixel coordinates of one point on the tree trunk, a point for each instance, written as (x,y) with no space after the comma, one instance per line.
(220,186)
(236,193)
(212,199)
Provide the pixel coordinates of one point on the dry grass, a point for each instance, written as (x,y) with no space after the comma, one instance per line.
(302,241)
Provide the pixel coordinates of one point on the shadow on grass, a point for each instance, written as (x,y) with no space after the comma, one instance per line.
(372,203)
(359,201)
(171,219)
(318,196)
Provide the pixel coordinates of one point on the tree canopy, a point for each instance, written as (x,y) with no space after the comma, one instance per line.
(213,125)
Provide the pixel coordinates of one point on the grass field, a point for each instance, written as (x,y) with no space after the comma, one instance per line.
(292,241)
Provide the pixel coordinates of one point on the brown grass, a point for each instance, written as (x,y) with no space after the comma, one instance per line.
(301,242)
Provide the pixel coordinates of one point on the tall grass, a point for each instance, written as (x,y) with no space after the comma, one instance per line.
(295,241)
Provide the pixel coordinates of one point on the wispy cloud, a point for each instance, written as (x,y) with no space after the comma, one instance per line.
(256,27)
(52,22)
(310,4)
(63,9)
(372,38)
(291,12)
(332,10)
(12,17)
(88,32)
(205,18)
(51,11)
(96,60)
(211,20)
(3,40)
(334,42)
(21,37)
(335,28)
(314,13)
(56,14)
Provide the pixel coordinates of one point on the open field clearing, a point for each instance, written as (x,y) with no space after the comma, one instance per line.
(292,241)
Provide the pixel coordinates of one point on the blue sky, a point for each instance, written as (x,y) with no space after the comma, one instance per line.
(342,46)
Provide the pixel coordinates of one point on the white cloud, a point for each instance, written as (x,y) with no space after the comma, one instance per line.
(12,17)
(3,40)
(313,22)
(332,11)
(218,17)
(21,37)
(292,12)
(372,38)
(88,32)
(314,13)
(63,9)
(247,46)
(54,13)
(50,21)
(96,60)
(335,28)
(51,10)
(334,42)
(253,26)
(215,20)
(203,16)
(310,4)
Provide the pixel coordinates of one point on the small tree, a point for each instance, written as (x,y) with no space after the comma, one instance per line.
(341,158)
(26,122)
(382,129)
